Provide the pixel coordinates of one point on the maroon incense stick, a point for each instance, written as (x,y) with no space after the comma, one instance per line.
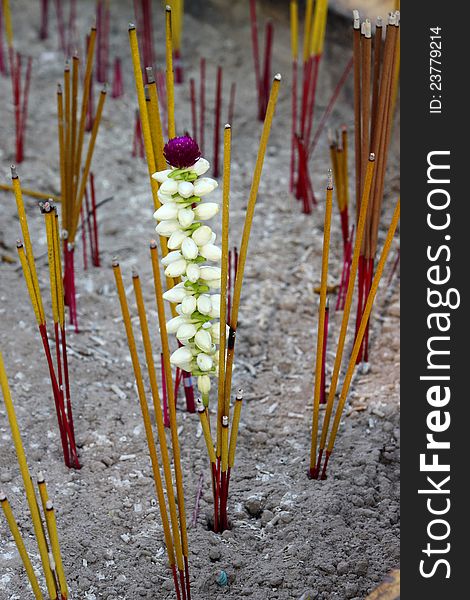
(96,247)
(118,87)
(202,103)
(231,104)
(84,248)
(255,47)
(266,83)
(396,262)
(218,107)
(295,68)
(178,66)
(60,25)
(44,30)
(192,95)
(71,26)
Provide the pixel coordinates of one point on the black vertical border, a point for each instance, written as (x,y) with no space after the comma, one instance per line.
(422,132)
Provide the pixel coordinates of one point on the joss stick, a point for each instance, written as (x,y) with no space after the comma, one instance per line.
(321,321)
(394,267)
(357,104)
(60,25)
(147,422)
(32,193)
(255,47)
(43,31)
(159,418)
(294,26)
(164,393)
(27,482)
(202,102)
(73,136)
(266,80)
(366,48)
(325,344)
(155,121)
(246,231)
(15,532)
(117,89)
(231,104)
(172,407)
(218,107)
(347,309)
(96,247)
(170,83)
(376,72)
(86,227)
(137,141)
(360,335)
(192,93)
(55,547)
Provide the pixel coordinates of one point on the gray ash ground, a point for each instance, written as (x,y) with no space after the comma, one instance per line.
(291,538)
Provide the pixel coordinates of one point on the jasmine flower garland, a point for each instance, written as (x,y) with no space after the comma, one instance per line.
(181,218)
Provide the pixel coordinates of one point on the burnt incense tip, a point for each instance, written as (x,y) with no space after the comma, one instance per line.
(330,180)
(41,478)
(3,496)
(277,77)
(239,395)
(367,29)
(131,26)
(14,174)
(228,126)
(59,88)
(153,244)
(200,406)
(225,421)
(168,8)
(378,22)
(104,89)
(115,262)
(372,156)
(135,275)
(150,75)
(356,19)
(19,244)
(397,18)
(49,505)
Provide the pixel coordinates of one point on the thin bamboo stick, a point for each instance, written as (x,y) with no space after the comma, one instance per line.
(321,321)
(55,547)
(15,532)
(247,229)
(28,485)
(357,104)
(32,193)
(366,44)
(360,335)
(347,305)
(155,121)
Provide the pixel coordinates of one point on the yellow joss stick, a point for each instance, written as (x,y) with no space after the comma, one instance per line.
(158,416)
(234,429)
(321,321)
(15,532)
(170,83)
(348,303)
(155,121)
(31,193)
(85,100)
(250,210)
(86,169)
(67,194)
(294,28)
(73,135)
(49,218)
(58,273)
(8,27)
(28,485)
(55,547)
(224,401)
(29,283)
(60,135)
(307,28)
(345,177)
(362,329)
(27,239)
(171,399)
(145,414)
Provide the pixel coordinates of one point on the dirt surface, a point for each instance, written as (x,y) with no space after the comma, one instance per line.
(292,538)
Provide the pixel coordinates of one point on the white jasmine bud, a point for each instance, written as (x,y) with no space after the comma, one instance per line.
(204,186)
(204,384)
(164,198)
(200,167)
(169,186)
(211,252)
(210,273)
(166,228)
(203,340)
(174,324)
(176,268)
(177,238)
(189,249)
(176,294)
(204,362)
(166,211)
(160,176)
(182,358)
(202,235)
(188,305)
(214,284)
(206,210)
(171,257)
(204,304)
(185,217)
(185,189)
(193,272)
(185,332)
(215,306)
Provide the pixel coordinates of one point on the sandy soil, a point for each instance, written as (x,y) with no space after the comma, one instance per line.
(292,538)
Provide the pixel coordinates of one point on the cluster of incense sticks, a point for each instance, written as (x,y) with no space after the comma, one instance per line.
(117,89)
(48,545)
(20,86)
(172,506)
(316,470)
(102,40)
(339,164)
(303,104)
(59,373)
(198,128)
(262,73)
(177,11)
(89,221)
(375,62)
(152,132)
(73,175)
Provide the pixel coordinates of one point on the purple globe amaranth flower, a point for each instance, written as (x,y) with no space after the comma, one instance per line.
(181,152)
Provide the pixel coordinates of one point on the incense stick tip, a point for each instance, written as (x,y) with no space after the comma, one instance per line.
(329,184)
(168,8)
(3,496)
(150,75)
(228,126)
(379,22)
(49,505)
(153,244)
(277,77)
(41,478)
(239,395)
(199,405)
(135,275)
(356,19)
(371,156)
(131,26)
(115,262)
(14,174)
(225,421)
(19,244)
